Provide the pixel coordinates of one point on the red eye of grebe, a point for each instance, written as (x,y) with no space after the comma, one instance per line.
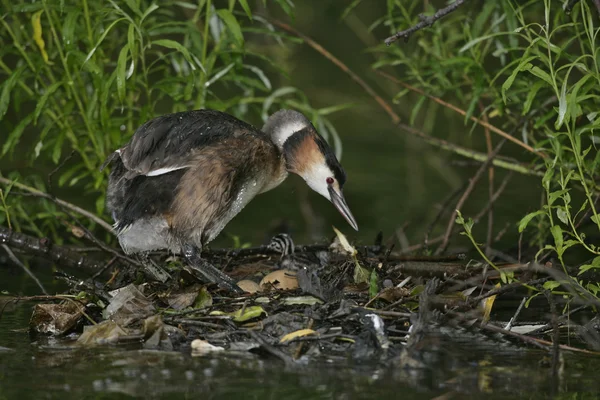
(329,181)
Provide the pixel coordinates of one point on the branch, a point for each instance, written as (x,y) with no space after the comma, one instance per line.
(70,206)
(465,195)
(396,119)
(425,22)
(462,112)
(18,262)
(45,248)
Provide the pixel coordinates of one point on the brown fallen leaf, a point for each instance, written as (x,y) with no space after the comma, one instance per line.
(282,279)
(55,319)
(102,333)
(248,286)
(393,294)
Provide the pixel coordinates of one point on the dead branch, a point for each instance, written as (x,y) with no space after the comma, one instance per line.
(45,248)
(425,22)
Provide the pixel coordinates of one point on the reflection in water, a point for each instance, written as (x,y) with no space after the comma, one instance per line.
(52,368)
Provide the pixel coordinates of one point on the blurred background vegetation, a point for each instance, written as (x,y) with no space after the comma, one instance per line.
(78,77)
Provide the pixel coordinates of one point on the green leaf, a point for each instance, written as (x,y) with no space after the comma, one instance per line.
(557,234)
(596,219)
(552,197)
(219,75)
(244,4)
(244,314)
(232,25)
(121,72)
(91,53)
(562,215)
(15,135)
(68,29)
(301,300)
(42,101)
(8,86)
(531,96)
(373,284)
(509,81)
(204,299)
(551,285)
(481,39)
(526,219)
(149,11)
(562,105)
(537,71)
(134,6)
(171,44)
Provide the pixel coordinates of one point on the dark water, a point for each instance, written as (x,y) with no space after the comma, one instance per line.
(393,181)
(43,367)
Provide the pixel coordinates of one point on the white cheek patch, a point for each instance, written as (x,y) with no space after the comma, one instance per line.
(286,130)
(316,178)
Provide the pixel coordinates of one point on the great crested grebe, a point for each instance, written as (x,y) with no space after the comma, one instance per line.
(184,176)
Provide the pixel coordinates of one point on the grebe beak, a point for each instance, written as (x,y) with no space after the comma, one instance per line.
(337,198)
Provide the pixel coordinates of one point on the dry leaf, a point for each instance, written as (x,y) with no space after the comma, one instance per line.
(201,347)
(282,279)
(344,242)
(248,286)
(297,334)
(55,319)
(487,305)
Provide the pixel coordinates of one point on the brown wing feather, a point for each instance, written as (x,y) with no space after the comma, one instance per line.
(166,142)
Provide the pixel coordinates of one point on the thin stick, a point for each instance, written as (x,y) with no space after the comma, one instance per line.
(14,259)
(70,206)
(465,195)
(510,323)
(45,248)
(488,143)
(462,112)
(425,22)
(341,65)
(396,119)
(555,336)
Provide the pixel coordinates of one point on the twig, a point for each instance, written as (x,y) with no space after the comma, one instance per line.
(465,195)
(103,269)
(340,65)
(514,317)
(14,259)
(54,171)
(270,348)
(462,112)
(72,207)
(505,289)
(396,119)
(425,22)
(488,143)
(443,208)
(555,335)
(494,198)
(472,154)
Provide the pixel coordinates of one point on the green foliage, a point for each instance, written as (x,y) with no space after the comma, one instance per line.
(80,76)
(531,69)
